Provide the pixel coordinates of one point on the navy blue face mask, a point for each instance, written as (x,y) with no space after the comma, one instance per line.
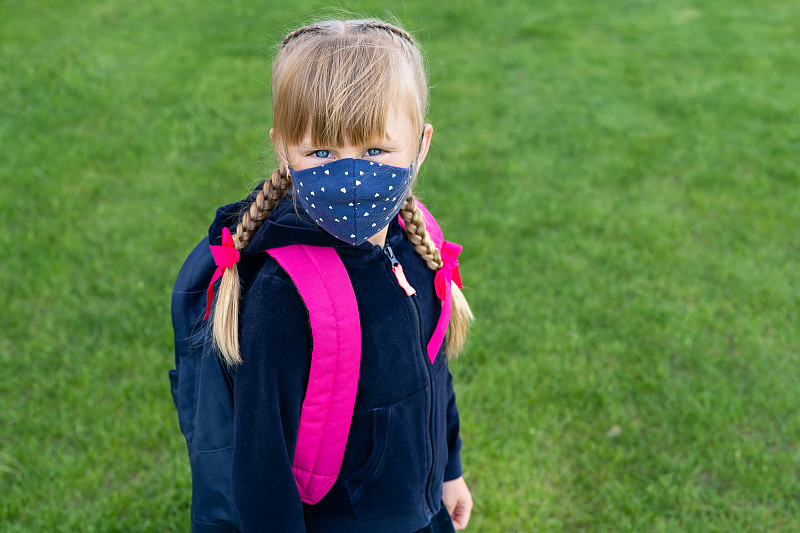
(352,199)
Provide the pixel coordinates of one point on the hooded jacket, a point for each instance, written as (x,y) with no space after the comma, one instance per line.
(404,436)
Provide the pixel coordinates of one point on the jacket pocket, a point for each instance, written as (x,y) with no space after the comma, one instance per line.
(212,498)
(216,527)
(394,477)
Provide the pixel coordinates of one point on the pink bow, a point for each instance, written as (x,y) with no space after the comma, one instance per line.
(444,277)
(225,256)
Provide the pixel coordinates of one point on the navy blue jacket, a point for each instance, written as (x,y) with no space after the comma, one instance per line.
(403,442)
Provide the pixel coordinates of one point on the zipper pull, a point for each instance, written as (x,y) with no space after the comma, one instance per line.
(397,269)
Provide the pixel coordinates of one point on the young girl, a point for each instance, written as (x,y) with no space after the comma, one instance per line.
(347,96)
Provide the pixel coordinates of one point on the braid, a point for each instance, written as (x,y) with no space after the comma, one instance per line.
(418,235)
(461,315)
(273,190)
(226,309)
(381,25)
(300,31)
(342,27)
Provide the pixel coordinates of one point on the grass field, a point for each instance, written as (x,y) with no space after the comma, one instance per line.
(623,176)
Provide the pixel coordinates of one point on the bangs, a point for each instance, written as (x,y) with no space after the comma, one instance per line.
(341,91)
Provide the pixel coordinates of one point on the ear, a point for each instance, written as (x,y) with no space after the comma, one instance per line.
(425,144)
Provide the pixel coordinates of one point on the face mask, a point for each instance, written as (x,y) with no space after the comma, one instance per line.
(352,199)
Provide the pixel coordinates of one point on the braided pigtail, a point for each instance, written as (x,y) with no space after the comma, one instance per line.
(418,235)
(461,316)
(225,330)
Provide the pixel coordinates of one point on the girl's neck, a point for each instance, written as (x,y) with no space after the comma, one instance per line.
(379,239)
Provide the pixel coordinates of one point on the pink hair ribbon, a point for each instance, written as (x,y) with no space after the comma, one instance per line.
(444,277)
(225,256)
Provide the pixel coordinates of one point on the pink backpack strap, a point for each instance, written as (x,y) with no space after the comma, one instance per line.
(444,276)
(324,285)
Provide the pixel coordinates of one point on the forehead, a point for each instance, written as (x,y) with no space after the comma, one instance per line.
(399,124)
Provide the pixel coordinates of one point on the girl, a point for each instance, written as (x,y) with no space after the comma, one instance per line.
(347,96)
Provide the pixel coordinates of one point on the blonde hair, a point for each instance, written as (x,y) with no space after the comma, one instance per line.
(338,80)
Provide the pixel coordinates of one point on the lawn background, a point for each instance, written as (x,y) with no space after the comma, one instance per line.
(623,176)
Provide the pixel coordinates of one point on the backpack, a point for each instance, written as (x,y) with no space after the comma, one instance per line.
(202,384)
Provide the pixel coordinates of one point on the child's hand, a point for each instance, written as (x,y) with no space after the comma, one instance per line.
(458,500)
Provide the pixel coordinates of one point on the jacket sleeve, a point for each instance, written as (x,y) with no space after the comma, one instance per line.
(269,388)
(453,468)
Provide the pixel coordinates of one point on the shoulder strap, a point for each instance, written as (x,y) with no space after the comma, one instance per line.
(448,272)
(324,285)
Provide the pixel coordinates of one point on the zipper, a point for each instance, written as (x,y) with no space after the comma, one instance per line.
(428,366)
(397,270)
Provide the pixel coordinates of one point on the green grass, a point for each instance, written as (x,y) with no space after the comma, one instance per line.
(623,176)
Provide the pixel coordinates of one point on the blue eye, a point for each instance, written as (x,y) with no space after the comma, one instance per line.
(372,152)
(322,154)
